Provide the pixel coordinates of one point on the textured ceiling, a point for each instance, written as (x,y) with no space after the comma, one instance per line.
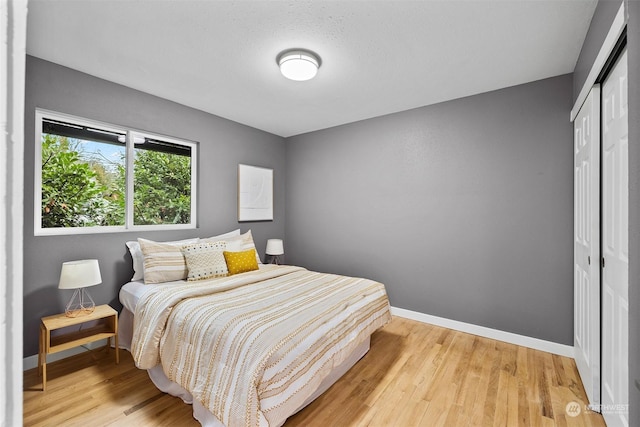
(378,57)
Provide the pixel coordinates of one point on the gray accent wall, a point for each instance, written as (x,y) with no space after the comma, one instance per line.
(222,145)
(601,22)
(464,209)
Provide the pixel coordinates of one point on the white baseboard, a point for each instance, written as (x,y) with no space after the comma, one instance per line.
(32,361)
(521,340)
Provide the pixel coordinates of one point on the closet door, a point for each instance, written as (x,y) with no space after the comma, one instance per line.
(615,246)
(587,244)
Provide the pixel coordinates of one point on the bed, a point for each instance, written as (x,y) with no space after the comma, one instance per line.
(254,348)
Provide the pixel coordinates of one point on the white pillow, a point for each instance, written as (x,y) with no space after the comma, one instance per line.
(240,243)
(220,237)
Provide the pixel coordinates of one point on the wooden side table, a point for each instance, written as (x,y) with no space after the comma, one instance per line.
(106,328)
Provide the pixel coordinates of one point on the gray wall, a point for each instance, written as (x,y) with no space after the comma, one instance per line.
(463,210)
(600,23)
(633,40)
(222,145)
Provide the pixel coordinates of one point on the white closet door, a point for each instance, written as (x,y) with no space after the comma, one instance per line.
(615,246)
(586,290)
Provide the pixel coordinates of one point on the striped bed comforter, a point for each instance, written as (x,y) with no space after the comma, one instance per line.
(254,346)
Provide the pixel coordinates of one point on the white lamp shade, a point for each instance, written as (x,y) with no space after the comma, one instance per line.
(275,247)
(79,274)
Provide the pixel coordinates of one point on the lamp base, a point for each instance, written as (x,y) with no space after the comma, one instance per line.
(275,259)
(81,304)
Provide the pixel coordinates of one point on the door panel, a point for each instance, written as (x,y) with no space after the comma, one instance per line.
(615,229)
(587,244)
(609,202)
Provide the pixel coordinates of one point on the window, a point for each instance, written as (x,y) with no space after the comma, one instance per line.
(95,177)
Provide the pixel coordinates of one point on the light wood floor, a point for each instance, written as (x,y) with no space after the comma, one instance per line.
(414,375)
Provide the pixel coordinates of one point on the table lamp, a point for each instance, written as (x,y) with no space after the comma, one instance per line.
(79,275)
(275,248)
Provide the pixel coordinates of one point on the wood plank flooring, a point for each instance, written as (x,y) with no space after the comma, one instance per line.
(414,375)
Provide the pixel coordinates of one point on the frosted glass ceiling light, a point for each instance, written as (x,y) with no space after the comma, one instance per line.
(298,65)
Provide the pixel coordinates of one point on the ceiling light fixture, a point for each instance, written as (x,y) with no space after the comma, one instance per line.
(298,64)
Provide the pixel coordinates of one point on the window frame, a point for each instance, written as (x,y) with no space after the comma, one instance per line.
(129,178)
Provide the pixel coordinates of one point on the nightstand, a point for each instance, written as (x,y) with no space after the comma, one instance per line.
(106,327)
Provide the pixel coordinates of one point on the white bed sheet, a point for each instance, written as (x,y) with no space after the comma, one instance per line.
(131,292)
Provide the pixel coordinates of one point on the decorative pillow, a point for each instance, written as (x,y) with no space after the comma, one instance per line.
(138,257)
(163,262)
(205,260)
(240,262)
(243,242)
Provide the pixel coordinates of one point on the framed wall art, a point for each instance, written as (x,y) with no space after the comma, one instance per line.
(255,193)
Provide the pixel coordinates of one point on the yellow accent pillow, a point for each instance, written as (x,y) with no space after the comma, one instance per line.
(240,262)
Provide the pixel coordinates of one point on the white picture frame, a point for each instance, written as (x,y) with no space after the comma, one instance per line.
(255,193)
